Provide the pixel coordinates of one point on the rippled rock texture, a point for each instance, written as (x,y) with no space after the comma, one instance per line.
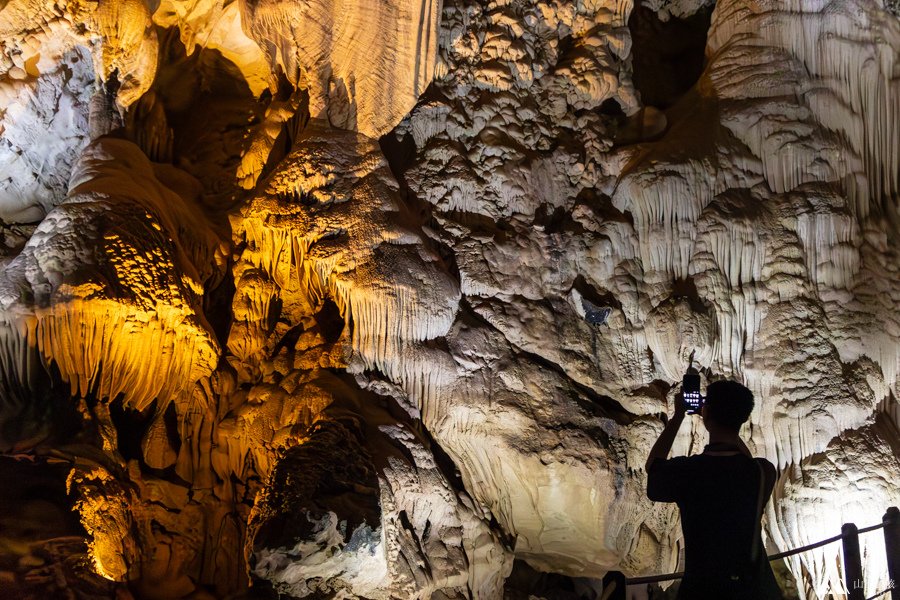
(357,299)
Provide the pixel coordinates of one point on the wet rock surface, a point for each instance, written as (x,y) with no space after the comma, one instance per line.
(330,299)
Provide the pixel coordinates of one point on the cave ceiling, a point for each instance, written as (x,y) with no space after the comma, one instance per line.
(358,299)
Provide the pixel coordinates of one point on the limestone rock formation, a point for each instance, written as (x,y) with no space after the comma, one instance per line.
(363,63)
(107,290)
(211,24)
(379,521)
(354,299)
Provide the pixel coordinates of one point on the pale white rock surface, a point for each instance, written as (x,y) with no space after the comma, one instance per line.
(679,9)
(52,56)
(861,466)
(45,126)
(364,64)
(119,35)
(429,358)
(746,234)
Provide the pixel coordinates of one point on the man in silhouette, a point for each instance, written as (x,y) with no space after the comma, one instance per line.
(718,496)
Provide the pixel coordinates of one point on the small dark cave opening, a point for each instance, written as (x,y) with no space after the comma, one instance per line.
(330,321)
(34,504)
(130,425)
(36,407)
(667,56)
(41,538)
(526,582)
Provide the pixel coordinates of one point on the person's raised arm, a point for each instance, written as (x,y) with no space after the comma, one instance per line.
(664,444)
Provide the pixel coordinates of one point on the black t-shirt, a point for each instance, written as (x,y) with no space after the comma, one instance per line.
(717,496)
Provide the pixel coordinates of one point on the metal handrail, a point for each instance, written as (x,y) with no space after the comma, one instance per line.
(812,546)
(780,555)
(653,578)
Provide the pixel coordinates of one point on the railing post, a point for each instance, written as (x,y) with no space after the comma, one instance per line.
(853,575)
(891,520)
(613,586)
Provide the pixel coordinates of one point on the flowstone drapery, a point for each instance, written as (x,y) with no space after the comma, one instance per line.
(386,300)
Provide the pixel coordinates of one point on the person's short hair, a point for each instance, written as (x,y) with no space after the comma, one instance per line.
(728,403)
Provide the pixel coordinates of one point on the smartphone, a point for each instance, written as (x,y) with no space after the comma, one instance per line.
(690,388)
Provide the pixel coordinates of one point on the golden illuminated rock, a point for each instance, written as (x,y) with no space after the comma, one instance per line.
(108,289)
(385,299)
(331,217)
(214,25)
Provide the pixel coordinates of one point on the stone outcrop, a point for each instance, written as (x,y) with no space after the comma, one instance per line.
(107,292)
(386,300)
(364,64)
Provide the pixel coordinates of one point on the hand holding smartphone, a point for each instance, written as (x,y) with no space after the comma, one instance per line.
(690,389)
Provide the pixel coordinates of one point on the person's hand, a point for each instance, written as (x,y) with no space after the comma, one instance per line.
(664,443)
(680,406)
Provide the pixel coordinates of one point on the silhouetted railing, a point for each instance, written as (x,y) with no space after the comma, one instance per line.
(853,572)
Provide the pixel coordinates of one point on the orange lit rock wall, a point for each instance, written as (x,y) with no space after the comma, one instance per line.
(357,299)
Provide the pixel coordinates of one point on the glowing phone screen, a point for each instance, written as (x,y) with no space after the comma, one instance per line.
(690,387)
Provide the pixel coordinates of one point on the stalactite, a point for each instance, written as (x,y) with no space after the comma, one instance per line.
(113,304)
(364,65)
(386,283)
(854,87)
(511,273)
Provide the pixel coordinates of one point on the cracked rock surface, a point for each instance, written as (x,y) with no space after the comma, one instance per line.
(343,299)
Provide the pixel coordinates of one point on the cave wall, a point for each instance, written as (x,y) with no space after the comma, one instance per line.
(353,299)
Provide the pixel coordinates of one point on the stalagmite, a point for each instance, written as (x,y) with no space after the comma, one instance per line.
(387,299)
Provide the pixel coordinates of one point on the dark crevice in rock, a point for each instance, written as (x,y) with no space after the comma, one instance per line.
(556,220)
(13,237)
(595,297)
(481,226)
(36,411)
(130,426)
(611,108)
(667,56)
(602,207)
(687,289)
(330,472)
(291,129)
(34,504)
(400,154)
(593,403)
(444,461)
(45,554)
(289,340)
(217,302)
(207,144)
(893,7)
(170,418)
(526,582)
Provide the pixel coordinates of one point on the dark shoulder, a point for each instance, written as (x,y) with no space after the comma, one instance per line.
(768,467)
(769,471)
(675,463)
